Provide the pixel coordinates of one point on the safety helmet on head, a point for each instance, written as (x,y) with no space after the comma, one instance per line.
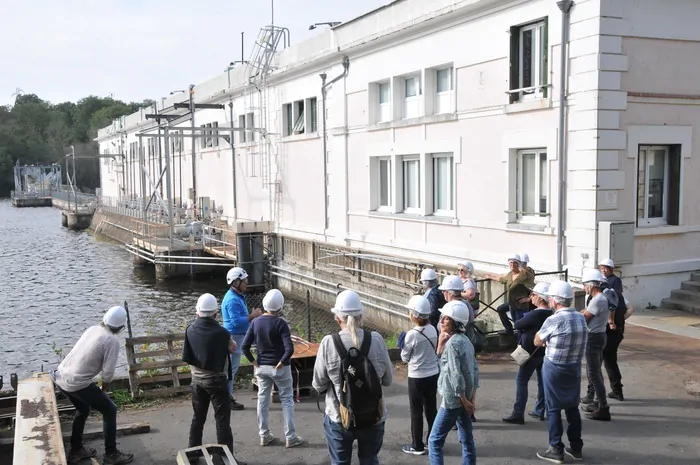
(607,262)
(515,258)
(452,283)
(457,310)
(419,305)
(560,289)
(207,304)
(348,303)
(234,274)
(592,276)
(428,274)
(468,265)
(541,289)
(115,317)
(273,300)
(524,258)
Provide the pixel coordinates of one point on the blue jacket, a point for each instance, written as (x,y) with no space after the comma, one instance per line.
(234,311)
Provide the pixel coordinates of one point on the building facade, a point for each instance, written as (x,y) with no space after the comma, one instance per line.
(442,137)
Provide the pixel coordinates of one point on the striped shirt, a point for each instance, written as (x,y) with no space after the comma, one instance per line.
(566,334)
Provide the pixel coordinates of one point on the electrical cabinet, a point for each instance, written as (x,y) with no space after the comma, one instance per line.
(616,241)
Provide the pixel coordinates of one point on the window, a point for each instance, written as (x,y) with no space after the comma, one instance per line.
(658,185)
(241,124)
(528,61)
(411,107)
(384,183)
(253,164)
(532,185)
(443,184)
(288,119)
(313,115)
(444,91)
(214,135)
(411,184)
(384,96)
(250,124)
(298,117)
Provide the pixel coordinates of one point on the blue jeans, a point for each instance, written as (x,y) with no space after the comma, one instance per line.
(339,440)
(521,381)
(267,376)
(235,359)
(444,422)
(92,397)
(562,390)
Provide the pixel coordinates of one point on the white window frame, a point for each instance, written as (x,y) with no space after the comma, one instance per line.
(538,73)
(448,189)
(250,124)
(412,100)
(288,119)
(663,220)
(311,125)
(444,98)
(299,110)
(242,124)
(404,174)
(383,108)
(389,207)
(214,139)
(532,218)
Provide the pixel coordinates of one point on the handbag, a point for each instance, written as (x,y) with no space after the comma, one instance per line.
(520,355)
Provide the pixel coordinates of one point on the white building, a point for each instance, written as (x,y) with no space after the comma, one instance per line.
(442,140)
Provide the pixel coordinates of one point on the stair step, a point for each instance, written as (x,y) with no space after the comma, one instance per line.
(683,305)
(691,286)
(689,296)
(695,277)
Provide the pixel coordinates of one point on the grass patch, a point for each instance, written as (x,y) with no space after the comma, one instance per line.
(392,341)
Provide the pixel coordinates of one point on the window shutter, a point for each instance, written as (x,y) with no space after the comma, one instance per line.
(674,184)
(514,62)
(545,57)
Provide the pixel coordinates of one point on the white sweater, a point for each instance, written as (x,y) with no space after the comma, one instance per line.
(419,352)
(96,351)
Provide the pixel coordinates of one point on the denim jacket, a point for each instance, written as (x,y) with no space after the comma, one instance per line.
(459,372)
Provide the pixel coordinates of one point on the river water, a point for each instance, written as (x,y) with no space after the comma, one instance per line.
(55,283)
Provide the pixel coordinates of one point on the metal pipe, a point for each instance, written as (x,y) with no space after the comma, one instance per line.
(565,8)
(233,165)
(194,156)
(324,93)
(168,185)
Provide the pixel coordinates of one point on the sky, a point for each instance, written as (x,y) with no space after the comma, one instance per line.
(64,50)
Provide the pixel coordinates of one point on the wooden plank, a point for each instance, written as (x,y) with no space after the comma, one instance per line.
(153,339)
(155,365)
(173,370)
(152,353)
(97,433)
(169,391)
(161,378)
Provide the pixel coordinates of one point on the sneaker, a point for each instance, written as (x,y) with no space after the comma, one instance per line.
(590,408)
(235,405)
(514,419)
(616,396)
(117,458)
(409,449)
(534,415)
(601,414)
(552,455)
(297,441)
(588,399)
(75,456)
(266,440)
(574,455)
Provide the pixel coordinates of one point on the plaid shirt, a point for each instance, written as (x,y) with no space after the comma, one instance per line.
(566,334)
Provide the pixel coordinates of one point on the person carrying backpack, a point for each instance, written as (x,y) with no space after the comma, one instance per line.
(351,368)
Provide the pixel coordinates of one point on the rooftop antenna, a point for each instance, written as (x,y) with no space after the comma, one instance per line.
(17,93)
(272,8)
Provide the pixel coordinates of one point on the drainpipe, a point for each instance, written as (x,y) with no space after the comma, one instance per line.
(324,89)
(233,164)
(565,7)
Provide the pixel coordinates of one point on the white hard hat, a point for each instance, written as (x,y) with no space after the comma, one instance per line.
(467,265)
(115,317)
(452,283)
(607,262)
(524,257)
(207,304)
(348,303)
(541,289)
(592,276)
(515,257)
(457,310)
(419,304)
(560,289)
(234,274)
(273,301)
(428,274)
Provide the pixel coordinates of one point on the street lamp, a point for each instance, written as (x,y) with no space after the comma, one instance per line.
(329,23)
(177,92)
(72,181)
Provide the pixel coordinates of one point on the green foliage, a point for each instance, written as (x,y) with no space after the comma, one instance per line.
(35,131)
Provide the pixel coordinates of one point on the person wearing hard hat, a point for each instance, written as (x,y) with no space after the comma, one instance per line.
(95,353)
(515,276)
(528,326)
(470,293)
(237,321)
(615,336)
(598,315)
(419,352)
(331,373)
(457,384)
(452,288)
(273,342)
(524,260)
(429,280)
(206,349)
(564,337)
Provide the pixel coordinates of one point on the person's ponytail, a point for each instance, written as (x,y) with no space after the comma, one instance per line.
(352,325)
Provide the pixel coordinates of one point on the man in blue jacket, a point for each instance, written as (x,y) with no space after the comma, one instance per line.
(236,320)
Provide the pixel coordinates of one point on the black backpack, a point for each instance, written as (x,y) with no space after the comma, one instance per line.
(360,400)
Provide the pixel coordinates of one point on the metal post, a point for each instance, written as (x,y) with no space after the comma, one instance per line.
(128,319)
(72,149)
(168,185)
(233,164)
(142,170)
(194,156)
(308,315)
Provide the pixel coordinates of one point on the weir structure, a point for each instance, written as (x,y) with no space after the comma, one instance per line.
(35,184)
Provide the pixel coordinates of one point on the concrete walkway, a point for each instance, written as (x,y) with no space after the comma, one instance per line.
(658,423)
(669,321)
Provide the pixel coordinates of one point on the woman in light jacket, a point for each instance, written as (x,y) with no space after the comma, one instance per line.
(419,351)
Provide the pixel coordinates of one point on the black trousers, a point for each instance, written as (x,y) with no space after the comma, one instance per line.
(214,391)
(92,397)
(610,359)
(422,398)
